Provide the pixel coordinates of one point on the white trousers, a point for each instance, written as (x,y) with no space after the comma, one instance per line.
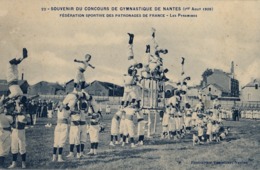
(83,133)
(94,133)
(60,135)
(114,127)
(129,128)
(5,142)
(18,143)
(74,137)
(15,90)
(79,77)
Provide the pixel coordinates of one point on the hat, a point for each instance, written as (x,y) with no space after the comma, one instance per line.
(187,105)
(131,70)
(139,65)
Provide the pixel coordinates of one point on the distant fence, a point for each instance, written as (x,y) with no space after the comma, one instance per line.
(114,102)
(255,105)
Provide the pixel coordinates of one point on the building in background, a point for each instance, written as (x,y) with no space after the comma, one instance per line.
(218,83)
(4,89)
(214,91)
(99,88)
(46,88)
(193,91)
(251,91)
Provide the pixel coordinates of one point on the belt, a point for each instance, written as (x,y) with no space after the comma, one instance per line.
(93,123)
(75,123)
(82,122)
(62,121)
(81,70)
(141,119)
(6,129)
(19,126)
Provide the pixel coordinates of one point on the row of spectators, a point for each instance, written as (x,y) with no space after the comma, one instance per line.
(237,113)
(250,114)
(39,108)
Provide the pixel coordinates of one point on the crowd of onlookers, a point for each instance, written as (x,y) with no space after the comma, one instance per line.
(39,108)
(237,113)
(250,114)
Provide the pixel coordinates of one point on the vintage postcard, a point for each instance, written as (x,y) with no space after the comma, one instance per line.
(129,84)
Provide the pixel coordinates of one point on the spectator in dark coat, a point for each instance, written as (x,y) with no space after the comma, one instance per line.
(235,112)
(39,108)
(44,109)
(50,108)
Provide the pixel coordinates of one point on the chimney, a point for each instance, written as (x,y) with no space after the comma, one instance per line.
(232,69)
(22,75)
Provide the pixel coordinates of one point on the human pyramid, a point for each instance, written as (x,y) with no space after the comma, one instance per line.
(152,68)
(178,118)
(13,116)
(75,107)
(72,110)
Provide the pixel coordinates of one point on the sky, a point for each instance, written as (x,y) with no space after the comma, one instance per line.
(212,40)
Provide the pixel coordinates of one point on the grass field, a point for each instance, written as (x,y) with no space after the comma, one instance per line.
(239,151)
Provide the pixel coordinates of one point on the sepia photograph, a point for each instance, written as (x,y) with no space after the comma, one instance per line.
(130,84)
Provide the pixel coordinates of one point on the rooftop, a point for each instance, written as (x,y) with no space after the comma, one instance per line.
(252,83)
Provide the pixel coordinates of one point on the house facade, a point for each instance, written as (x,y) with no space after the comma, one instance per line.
(214,91)
(216,80)
(251,91)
